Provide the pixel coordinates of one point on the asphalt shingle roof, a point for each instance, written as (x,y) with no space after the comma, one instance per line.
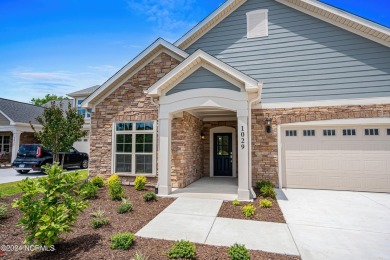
(20,112)
(86,91)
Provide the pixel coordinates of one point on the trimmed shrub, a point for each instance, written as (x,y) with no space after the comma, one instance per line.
(150,196)
(265,203)
(125,207)
(140,182)
(182,249)
(261,184)
(97,181)
(88,190)
(122,241)
(238,252)
(50,205)
(236,202)
(268,192)
(248,210)
(3,210)
(115,189)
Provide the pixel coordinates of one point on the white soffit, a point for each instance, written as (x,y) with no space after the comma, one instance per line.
(196,59)
(156,48)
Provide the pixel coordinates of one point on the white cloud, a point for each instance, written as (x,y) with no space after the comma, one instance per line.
(168,15)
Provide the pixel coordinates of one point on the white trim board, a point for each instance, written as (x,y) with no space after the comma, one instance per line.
(327,103)
(159,46)
(334,122)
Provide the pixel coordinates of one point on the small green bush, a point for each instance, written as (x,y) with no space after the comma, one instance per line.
(88,191)
(140,182)
(125,207)
(3,210)
(238,252)
(265,203)
(268,192)
(115,189)
(98,219)
(150,196)
(261,184)
(236,202)
(122,241)
(182,249)
(248,210)
(97,181)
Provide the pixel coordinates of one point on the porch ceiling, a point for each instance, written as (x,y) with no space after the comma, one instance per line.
(211,114)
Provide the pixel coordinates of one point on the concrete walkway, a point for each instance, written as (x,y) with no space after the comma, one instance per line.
(196,220)
(338,224)
(10,175)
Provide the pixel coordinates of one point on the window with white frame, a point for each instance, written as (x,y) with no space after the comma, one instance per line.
(135,147)
(291,132)
(347,132)
(309,132)
(5,141)
(329,132)
(372,131)
(82,111)
(388,131)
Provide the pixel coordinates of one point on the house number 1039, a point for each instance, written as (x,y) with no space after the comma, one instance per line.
(242,134)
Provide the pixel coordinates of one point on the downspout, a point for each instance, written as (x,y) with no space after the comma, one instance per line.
(252,102)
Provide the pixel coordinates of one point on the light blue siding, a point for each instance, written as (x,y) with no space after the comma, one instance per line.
(303,58)
(202,78)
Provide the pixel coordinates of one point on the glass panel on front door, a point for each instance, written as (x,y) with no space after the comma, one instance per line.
(223,155)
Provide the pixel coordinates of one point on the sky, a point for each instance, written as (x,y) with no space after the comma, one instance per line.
(61,46)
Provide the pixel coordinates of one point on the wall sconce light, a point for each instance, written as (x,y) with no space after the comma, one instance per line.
(268,127)
(202,136)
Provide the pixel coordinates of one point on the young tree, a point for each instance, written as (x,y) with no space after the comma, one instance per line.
(47,98)
(61,129)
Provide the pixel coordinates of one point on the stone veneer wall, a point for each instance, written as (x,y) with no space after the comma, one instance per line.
(207,126)
(127,103)
(187,150)
(265,146)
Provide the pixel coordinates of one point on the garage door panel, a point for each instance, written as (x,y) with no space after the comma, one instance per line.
(360,162)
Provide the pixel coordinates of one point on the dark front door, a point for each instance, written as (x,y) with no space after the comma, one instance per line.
(223,155)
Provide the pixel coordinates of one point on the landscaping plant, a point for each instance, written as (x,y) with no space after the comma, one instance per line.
(238,252)
(125,207)
(50,205)
(261,184)
(97,181)
(140,182)
(98,219)
(3,210)
(265,203)
(248,210)
(88,190)
(115,189)
(236,202)
(140,256)
(182,250)
(150,196)
(122,241)
(268,192)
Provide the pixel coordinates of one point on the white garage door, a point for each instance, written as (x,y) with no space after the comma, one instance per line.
(337,157)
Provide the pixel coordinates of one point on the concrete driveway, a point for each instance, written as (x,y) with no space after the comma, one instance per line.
(338,224)
(10,175)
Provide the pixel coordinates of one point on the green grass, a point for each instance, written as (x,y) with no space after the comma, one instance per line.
(11,188)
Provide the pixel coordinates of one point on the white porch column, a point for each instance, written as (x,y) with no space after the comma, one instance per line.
(15,144)
(164,155)
(243,156)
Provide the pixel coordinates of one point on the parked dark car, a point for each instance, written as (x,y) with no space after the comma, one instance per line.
(34,156)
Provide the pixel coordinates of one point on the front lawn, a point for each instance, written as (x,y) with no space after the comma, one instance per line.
(11,188)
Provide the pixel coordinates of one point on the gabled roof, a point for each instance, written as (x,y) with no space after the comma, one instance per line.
(319,10)
(18,112)
(84,92)
(197,59)
(160,45)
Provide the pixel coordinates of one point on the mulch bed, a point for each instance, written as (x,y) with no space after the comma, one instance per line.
(273,214)
(88,243)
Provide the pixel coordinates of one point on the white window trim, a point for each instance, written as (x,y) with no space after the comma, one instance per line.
(79,106)
(257,12)
(133,153)
(2,144)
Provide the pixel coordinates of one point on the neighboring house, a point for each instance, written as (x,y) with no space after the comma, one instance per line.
(291,91)
(15,128)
